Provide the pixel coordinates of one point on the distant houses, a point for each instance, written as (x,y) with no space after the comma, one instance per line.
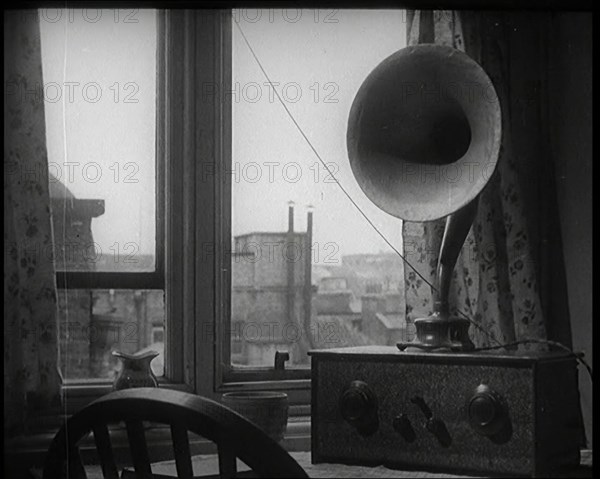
(271,298)
(366,292)
(280,301)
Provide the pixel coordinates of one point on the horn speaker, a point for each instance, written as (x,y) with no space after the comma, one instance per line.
(423,140)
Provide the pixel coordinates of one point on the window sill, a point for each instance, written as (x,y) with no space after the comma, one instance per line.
(78,394)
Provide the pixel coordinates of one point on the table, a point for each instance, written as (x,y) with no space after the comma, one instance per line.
(206,465)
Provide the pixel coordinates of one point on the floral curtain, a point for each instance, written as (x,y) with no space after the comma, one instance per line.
(31,376)
(494,282)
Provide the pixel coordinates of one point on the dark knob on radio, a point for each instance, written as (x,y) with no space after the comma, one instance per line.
(487,411)
(358,405)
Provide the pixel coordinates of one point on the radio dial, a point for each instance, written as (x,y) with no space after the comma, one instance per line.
(358,405)
(487,411)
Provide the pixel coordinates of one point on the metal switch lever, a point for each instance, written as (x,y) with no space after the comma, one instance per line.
(402,426)
(434,425)
(280,358)
(438,429)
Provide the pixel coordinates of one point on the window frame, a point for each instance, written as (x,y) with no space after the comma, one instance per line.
(66,279)
(168,265)
(193,137)
(296,381)
(199,42)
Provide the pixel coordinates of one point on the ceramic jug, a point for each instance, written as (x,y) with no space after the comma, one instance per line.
(136,371)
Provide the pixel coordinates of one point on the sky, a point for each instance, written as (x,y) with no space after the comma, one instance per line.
(99,71)
(319,61)
(316,60)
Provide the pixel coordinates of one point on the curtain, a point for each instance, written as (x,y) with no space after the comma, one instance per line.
(494,281)
(31,376)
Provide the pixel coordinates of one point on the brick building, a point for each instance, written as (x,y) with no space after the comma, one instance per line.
(364,300)
(271,301)
(384,319)
(375,273)
(74,250)
(94,322)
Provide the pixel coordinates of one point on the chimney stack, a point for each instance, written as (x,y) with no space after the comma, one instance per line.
(290,216)
(308,277)
(291,286)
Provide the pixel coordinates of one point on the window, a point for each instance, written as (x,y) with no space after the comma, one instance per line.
(307,271)
(100,83)
(211,283)
(101,79)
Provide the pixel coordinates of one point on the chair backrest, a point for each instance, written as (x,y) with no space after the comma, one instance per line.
(234,435)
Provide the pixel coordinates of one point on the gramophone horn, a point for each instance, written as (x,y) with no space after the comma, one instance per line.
(424,132)
(423,140)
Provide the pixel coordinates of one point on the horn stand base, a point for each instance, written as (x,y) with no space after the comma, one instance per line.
(440,332)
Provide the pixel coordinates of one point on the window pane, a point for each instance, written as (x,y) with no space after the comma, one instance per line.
(350,290)
(99,91)
(94,323)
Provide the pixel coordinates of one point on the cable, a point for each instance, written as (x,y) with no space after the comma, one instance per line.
(323,162)
(482,329)
(577,356)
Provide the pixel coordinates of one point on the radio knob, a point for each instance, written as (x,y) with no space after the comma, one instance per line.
(487,411)
(358,405)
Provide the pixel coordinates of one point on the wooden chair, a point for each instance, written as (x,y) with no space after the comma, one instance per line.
(235,436)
